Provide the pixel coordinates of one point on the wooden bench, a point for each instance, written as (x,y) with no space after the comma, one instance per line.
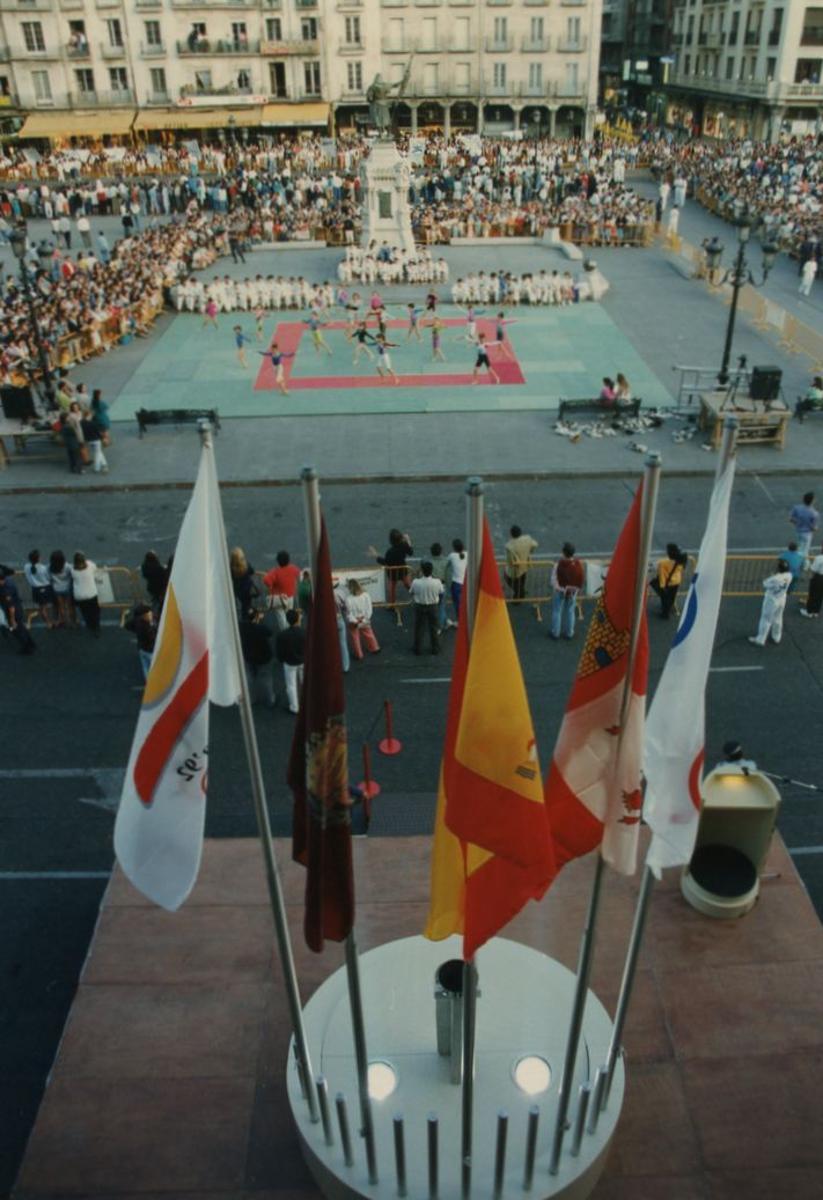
(597,408)
(176,416)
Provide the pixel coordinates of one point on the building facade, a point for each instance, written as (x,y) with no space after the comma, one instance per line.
(636,54)
(747,68)
(475,65)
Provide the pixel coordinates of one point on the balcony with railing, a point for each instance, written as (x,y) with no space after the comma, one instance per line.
(210,46)
(230,89)
(459,45)
(111,99)
(302,4)
(71,5)
(569,90)
(158,97)
(26,5)
(291,47)
(499,3)
(109,51)
(499,45)
(107,3)
(751,37)
(393,45)
(152,50)
(214,4)
(727,87)
(713,41)
(148,4)
(34,55)
(812,35)
(394,3)
(572,3)
(533,91)
(498,87)
(532,45)
(77,52)
(536,3)
(571,45)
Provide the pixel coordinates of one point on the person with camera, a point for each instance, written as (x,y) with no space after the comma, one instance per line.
(668,577)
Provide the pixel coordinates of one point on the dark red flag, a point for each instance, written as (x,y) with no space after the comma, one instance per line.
(318,772)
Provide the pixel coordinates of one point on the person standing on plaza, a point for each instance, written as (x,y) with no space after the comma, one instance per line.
(568,577)
(394,561)
(457,562)
(341,595)
(440,566)
(12,610)
(796,562)
(93,438)
(240,340)
(281,583)
(60,577)
(805,519)
(814,600)
(99,412)
(290,648)
(358,618)
(482,360)
(808,273)
(210,313)
(84,589)
(668,577)
(519,550)
(156,578)
(144,627)
(776,589)
(255,641)
(42,592)
(242,579)
(426,592)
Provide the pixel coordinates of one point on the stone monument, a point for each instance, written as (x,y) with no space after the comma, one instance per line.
(385,174)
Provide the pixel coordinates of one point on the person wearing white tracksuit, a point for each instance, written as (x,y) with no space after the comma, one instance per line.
(776,589)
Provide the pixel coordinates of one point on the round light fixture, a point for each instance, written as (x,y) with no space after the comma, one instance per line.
(382,1079)
(532,1074)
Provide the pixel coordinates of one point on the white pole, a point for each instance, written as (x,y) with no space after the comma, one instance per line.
(258,791)
(311,498)
(651,481)
(474,546)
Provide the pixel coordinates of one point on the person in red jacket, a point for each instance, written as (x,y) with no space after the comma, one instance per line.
(281,582)
(568,578)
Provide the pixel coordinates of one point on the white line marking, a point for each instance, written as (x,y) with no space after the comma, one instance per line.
(54,874)
(721,670)
(760,482)
(805,849)
(433,679)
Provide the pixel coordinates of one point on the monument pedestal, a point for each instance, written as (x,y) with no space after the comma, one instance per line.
(523,1010)
(386,211)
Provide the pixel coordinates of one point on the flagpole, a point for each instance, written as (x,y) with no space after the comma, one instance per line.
(311,500)
(258,791)
(651,481)
(474,544)
(727,450)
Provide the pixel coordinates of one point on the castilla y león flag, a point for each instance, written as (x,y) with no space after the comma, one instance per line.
(158,835)
(492,850)
(318,772)
(593,792)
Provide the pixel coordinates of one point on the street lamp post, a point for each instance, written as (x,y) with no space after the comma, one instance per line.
(738,276)
(18,239)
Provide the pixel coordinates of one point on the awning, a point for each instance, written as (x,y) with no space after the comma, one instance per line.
(77,124)
(197,118)
(296,114)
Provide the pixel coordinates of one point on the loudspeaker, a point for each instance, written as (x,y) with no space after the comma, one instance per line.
(18,403)
(765,383)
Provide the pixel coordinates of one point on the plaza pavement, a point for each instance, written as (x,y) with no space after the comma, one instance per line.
(663,317)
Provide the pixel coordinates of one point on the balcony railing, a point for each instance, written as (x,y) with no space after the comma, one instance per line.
(152,50)
(305,3)
(492,88)
(459,46)
(537,3)
(25,5)
(149,4)
(102,99)
(752,37)
(572,3)
(533,91)
(71,5)
(109,51)
(78,52)
(799,91)
(219,46)
(569,91)
(157,97)
(228,90)
(809,37)
(24,52)
(535,45)
(568,45)
(390,46)
(498,45)
(729,87)
(499,3)
(713,41)
(215,4)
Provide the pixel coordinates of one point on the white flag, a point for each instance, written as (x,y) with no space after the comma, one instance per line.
(675,725)
(158,835)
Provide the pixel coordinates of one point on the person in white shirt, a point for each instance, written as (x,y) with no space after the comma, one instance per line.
(776,589)
(38,578)
(84,588)
(426,592)
(456,564)
(358,619)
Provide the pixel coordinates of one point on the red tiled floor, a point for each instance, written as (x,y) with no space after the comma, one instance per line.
(169,1077)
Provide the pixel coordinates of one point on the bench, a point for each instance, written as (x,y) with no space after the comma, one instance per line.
(807,408)
(176,416)
(597,408)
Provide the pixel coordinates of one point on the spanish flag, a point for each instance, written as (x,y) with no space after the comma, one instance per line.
(492,848)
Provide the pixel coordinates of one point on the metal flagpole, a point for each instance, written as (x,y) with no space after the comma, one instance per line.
(651,480)
(727,450)
(258,791)
(311,498)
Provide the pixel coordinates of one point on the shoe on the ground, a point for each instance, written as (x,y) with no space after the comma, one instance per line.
(804,612)
(755,642)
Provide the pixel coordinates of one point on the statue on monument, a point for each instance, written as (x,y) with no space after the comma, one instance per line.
(380,104)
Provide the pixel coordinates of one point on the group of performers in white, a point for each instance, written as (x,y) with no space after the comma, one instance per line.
(390,264)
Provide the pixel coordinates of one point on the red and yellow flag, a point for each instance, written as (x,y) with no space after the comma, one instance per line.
(492,848)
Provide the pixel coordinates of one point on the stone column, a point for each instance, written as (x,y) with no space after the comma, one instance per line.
(552,119)
(517,113)
(480,121)
(775,121)
(447,119)
(414,108)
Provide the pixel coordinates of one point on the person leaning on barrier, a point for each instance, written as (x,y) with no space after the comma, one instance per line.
(668,577)
(568,577)
(775,592)
(519,550)
(255,641)
(426,592)
(144,627)
(11,609)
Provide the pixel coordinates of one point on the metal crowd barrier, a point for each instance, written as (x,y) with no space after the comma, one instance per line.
(118,588)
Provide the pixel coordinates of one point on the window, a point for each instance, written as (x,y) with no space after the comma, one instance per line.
(311,74)
(277,79)
(501,26)
(536,30)
(687,64)
(115,32)
(118,79)
(431,81)
(572,80)
(730,68)
(535,77)
(462,33)
(352,31)
(573,30)
(42,85)
(274,29)
(777,25)
(771,69)
(428,39)
(812,34)
(499,76)
(690,28)
(808,70)
(239,33)
(462,78)
(202,80)
(157,78)
(153,35)
(354,76)
(33,35)
(244,80)
(84,78)
(733,32)
(308,29)
(396,33)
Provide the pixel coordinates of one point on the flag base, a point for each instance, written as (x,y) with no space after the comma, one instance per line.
(523,1012)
